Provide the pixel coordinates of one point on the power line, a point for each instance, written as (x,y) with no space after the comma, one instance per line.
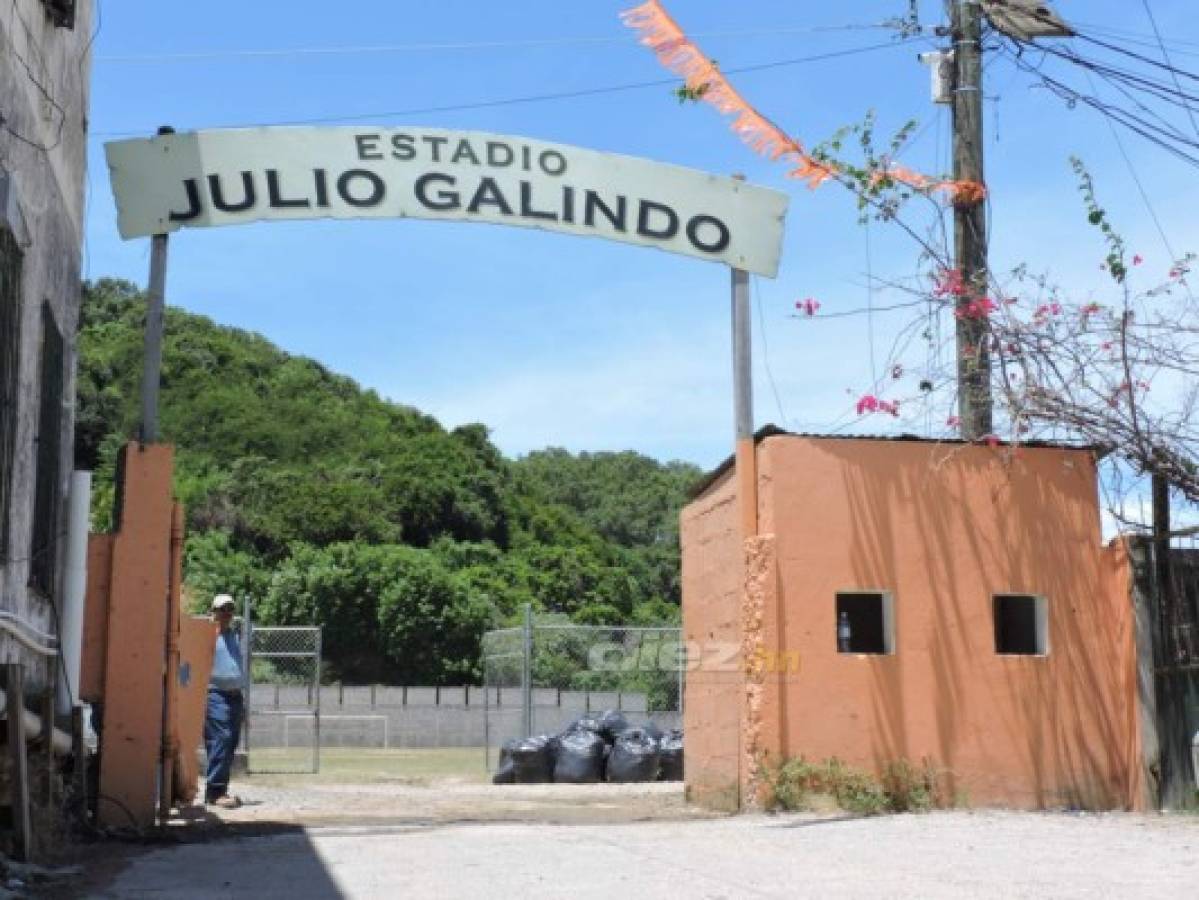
(1168,139)
(559,95)
(1144,194)
(1134,37)
(1166,56)
(277,52)
(1172,93)
(1140,57)
(766,349)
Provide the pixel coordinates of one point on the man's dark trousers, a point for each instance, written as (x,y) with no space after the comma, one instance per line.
(222,730)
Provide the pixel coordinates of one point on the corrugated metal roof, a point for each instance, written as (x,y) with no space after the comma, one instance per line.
(771,430)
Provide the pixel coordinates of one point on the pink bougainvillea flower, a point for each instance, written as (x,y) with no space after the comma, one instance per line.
(1090,309)
(976,309)
(949,283)
(953,421)
(868,403)
(872,404)
(1138,259)
(1106,345)
(991,440)
(807,306)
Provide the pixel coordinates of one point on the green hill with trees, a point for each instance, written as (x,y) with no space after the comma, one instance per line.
(328,504)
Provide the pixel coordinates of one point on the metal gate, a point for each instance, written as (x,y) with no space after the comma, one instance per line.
(283,699)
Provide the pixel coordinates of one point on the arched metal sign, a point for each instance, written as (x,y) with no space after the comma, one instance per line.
(230,176)
(226,177)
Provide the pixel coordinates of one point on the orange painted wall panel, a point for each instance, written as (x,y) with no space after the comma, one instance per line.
(196,643)
(131,741)
(943,527)
(711,574)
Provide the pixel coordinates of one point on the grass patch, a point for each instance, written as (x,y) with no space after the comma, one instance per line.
(798,784)
(354,765)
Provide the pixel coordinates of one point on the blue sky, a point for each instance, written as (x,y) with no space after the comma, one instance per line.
(556,340)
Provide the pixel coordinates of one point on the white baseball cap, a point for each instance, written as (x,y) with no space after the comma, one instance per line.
(223,600)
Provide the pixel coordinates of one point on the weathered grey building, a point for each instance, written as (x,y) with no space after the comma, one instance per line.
(44,71)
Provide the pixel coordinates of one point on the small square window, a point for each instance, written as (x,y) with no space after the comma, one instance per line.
(1021,625)
(865,622)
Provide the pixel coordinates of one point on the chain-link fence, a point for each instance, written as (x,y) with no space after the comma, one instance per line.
(540,677)
(283,699)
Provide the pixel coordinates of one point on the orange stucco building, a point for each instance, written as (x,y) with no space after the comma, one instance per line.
(940,556)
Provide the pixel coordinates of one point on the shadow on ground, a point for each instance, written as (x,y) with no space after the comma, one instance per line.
(228,849)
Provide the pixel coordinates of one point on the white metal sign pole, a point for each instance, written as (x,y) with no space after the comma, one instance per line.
(155,303)
(743,404)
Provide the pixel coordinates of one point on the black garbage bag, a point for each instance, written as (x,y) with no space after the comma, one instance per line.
(612,724)
(651,729)
(607,724)
(533,760)
(670,756)
(505,770)
(579,757)
(589,722)
(634,757)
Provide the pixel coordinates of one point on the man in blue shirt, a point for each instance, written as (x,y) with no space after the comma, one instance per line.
(226,704)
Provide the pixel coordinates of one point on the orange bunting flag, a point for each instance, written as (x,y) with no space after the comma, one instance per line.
(705,81)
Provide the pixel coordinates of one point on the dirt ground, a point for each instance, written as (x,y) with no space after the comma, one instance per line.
(457,802)
(958,855)
(455,837)
(430,786)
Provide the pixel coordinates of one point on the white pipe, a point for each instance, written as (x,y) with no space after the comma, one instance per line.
(18,627)
(74,588)
(33,728)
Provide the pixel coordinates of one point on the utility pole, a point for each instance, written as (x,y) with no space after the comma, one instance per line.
(970,222)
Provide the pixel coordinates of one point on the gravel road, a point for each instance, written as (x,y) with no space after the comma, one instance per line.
(945,854)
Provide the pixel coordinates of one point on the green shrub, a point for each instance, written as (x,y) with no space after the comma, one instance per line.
(857,792)
(797,784)
(909,789)
(792,784)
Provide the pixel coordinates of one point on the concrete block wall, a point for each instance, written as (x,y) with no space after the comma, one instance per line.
(426,716)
